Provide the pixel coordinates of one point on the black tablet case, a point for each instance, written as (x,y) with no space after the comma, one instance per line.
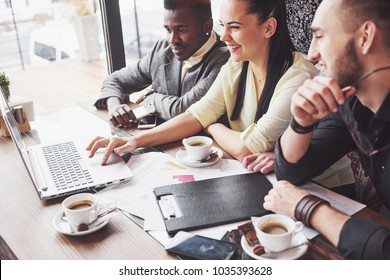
(216,201)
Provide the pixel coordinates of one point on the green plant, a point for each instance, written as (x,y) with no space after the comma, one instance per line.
(4,84)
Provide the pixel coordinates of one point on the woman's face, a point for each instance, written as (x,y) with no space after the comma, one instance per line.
(242,32)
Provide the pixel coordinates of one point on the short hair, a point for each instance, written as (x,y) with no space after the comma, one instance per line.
(202,8)
(356,12)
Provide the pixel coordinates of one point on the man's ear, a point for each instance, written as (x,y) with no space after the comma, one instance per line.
(270,27)
(367,31)
(208,26)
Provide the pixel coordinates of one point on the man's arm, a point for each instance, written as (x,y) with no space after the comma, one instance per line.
(356,238)
(302,153)
(316,99)
(169,106)
(129,79)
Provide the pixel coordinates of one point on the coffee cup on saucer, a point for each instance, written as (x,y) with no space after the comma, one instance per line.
(80,210)
(275,231)
(197,147)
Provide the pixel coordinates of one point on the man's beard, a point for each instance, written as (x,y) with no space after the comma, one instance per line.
(347,68)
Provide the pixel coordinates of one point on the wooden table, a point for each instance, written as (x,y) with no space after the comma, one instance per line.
(26,222)
(26,230)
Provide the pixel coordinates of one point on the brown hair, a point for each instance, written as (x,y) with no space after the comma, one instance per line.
(356,12)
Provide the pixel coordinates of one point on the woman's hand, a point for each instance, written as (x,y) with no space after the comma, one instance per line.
(283,198)
(260,162)
(114,144)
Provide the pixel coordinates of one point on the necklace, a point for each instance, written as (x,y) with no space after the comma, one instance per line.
(261,80)
(365,76)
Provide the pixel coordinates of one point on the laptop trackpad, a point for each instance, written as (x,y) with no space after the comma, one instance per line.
(113,159)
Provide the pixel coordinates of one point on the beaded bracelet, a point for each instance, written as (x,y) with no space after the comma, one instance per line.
(305,208)
(297,128)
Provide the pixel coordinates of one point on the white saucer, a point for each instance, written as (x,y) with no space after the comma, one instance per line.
(181,156)
(292,254)
(63,226)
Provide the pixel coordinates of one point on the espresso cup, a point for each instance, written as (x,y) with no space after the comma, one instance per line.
(197,147)
(276,231)
(80,209)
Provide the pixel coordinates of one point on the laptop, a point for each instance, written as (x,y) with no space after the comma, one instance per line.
(62,169)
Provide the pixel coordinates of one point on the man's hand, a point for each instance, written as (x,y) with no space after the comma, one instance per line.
(260,162)
(283,198)
(115,144)
(318,98)
(121,116)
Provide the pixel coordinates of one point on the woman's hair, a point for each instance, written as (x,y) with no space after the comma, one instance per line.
(280,56)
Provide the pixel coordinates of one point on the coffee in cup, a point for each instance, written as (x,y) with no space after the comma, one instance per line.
(81,204)
(80,209)
(274,228)
(197,147)
(276,231)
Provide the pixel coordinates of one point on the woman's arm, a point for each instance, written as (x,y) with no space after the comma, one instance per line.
(175,129)
(229,140)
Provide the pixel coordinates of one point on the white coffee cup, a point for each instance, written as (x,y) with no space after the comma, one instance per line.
(197,147)
(276,231)
(80,209)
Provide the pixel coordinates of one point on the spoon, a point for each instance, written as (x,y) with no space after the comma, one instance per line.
(274,255)
(210,157)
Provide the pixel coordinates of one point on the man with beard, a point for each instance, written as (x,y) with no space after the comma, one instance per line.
(348,108)
(179,70)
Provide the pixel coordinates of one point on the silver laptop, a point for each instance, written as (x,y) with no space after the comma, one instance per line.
(61,169)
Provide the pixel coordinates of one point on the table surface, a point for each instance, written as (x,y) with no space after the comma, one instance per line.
(27,232)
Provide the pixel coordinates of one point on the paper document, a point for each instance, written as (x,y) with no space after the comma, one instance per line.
(340,202)
(156,169)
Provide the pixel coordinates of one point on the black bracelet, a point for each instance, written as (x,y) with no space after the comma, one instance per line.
(297,128)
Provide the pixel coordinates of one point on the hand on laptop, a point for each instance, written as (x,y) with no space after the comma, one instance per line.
(115,144)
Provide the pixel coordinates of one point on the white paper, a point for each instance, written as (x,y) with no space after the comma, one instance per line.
(156,169)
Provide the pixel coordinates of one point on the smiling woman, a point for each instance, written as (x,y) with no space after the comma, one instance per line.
(257,37)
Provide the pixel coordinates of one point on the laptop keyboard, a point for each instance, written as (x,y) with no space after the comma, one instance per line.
(66,166)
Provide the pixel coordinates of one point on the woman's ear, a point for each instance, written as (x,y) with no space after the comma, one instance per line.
(270,27)
(367,33)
